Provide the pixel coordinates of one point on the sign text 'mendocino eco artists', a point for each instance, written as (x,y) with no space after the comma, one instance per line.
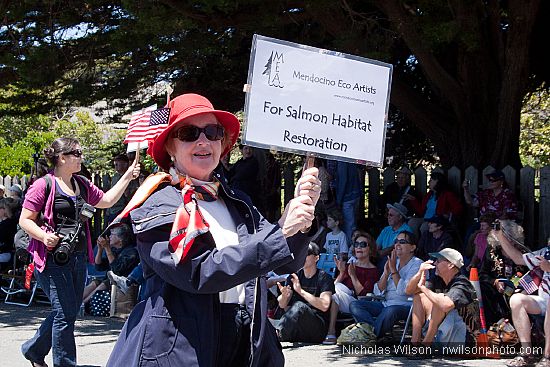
(336,119)
(369,89)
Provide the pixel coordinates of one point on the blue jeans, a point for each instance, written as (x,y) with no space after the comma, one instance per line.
(64,286)
(386,316)
(348,212)
(136,276)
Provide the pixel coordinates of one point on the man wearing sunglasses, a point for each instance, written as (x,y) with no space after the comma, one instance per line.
(448,318)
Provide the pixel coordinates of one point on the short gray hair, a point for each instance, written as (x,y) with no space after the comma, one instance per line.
(124,232)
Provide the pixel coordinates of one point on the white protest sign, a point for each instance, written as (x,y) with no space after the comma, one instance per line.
(132,147)
(303,99)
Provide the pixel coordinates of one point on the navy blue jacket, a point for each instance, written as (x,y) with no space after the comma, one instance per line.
(178,323)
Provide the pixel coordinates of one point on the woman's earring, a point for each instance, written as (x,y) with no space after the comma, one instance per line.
(172,158)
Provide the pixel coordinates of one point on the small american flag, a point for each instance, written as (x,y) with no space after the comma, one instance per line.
(158,122)
(531,281)
(138,127)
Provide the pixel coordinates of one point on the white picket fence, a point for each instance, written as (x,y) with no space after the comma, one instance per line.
(531,186)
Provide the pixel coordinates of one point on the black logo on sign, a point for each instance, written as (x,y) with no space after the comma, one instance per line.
(272,69)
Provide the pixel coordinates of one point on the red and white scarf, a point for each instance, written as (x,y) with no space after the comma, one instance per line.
(189,222)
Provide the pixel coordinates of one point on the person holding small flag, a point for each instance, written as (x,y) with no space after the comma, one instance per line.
(510,236)
(60,243)
(205,250)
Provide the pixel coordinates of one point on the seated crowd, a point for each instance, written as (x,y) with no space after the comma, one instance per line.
(425,266)
(416,265)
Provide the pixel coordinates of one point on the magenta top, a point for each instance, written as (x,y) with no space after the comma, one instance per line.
(34,201)
(481,245)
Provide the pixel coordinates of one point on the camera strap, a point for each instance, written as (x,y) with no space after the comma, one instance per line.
(76,200)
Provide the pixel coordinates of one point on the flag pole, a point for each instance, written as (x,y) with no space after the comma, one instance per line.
(308,163)
(169,91)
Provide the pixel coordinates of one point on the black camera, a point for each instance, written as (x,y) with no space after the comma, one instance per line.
(69,241)
(65,248)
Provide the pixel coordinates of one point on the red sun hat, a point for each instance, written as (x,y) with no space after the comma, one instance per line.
(185,106)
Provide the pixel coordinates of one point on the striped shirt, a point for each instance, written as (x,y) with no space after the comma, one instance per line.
(531,261)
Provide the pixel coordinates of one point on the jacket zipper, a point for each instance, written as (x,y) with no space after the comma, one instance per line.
(242,201)
(257,278)
(252,321)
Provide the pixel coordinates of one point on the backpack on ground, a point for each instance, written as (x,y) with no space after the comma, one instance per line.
(359,333)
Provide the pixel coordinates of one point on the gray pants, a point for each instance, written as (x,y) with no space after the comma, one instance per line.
(451,331)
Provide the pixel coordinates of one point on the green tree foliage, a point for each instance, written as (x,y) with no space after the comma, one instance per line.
(535,130)
(461,68)
(22,137)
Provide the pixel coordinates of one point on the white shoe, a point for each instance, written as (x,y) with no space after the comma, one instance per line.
(119,281)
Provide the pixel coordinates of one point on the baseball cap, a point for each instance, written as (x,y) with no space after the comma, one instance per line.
(451,255)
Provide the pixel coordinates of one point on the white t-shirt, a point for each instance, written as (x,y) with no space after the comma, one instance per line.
(335,244)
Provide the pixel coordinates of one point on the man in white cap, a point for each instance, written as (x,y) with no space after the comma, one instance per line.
(450,317)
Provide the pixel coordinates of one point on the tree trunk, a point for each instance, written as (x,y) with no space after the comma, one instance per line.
(472,115)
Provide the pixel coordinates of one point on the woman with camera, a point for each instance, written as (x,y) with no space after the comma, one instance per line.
(55,214)
(205,250)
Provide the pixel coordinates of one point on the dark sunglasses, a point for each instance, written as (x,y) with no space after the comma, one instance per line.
(361,244)
(401,241)
(189,133)
(496,225)
(77,153)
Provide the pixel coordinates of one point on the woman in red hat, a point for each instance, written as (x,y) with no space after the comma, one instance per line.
(205,249)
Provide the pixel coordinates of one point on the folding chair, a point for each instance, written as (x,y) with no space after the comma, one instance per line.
(407,323)
(16,291)
(326,263)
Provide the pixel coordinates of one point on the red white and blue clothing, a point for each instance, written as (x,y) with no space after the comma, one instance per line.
(532,262)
